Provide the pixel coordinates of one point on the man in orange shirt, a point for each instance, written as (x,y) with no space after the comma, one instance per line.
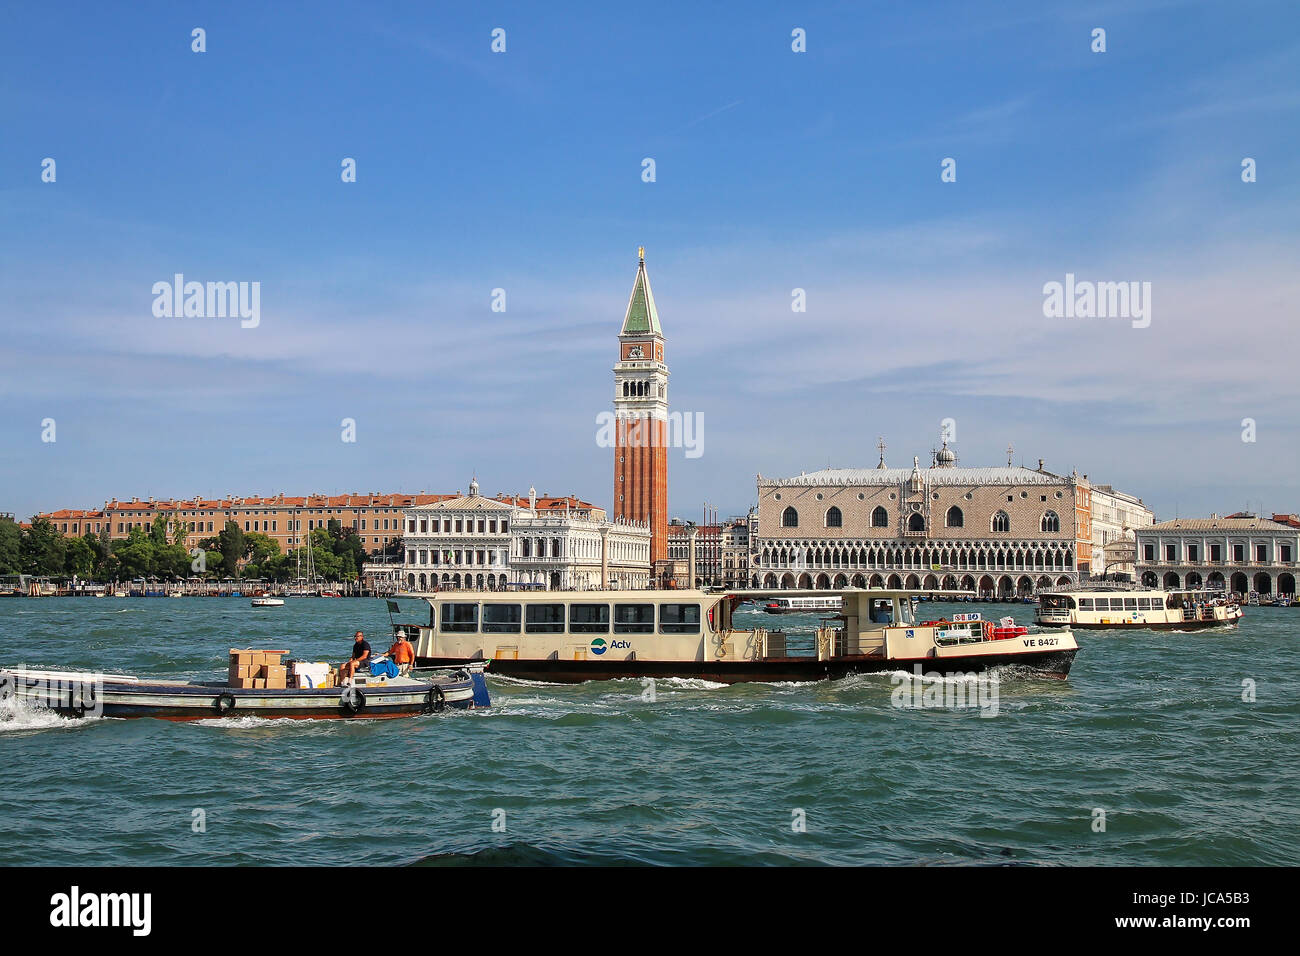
(402,653)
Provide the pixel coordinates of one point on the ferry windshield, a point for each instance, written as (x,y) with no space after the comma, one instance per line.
(1055,602)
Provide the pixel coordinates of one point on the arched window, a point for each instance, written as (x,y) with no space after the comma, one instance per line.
(1001,522)
(789,518)
(880,518)
(833,518)
(1051,521)
(916,523)
(955,518)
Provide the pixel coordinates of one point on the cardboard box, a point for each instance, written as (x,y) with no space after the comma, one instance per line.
(259,683)
(277,677)
(243,682)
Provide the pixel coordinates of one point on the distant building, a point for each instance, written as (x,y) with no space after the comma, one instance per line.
(458,542)
(565,548)
(478,543)
(721,553)
(377,518)
(1002,530)
(1237,554)
(1115,517)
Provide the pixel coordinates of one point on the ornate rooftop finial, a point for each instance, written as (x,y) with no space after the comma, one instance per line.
(880,443)
(640,253)
(1010,451)
(473,487)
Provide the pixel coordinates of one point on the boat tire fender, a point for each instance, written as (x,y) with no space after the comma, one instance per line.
(353,700)
(225,703)
(437,700)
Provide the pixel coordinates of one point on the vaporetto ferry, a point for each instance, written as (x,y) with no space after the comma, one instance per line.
(1152,609)
(573,636)
(822,604)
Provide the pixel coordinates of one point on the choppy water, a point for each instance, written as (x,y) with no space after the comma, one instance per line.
(1150,727)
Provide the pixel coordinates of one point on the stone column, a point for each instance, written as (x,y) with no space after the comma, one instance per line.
(604,557)
(690,560)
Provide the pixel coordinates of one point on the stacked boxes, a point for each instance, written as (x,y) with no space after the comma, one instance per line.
(258,669)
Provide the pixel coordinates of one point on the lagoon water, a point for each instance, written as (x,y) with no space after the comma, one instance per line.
(1150,728)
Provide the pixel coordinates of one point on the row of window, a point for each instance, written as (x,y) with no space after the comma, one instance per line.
(1193,552)
(954,518)
(464,618)
(457,525)
(1120,604)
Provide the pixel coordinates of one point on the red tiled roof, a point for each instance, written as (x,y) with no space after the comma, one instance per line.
(285,501)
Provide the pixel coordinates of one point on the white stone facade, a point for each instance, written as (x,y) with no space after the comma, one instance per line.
(477,543)
(1232,554)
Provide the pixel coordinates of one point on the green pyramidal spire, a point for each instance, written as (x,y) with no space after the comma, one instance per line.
(642,316)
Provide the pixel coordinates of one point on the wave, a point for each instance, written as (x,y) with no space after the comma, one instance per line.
(17,716)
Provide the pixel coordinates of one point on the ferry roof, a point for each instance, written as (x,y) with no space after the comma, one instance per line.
(1121,592)
(659,594)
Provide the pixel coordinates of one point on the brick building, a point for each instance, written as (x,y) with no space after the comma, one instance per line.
(377,518)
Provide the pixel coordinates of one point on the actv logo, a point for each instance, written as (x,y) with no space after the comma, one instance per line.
(598,646)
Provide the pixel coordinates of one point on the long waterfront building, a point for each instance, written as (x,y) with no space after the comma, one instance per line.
(1238,554)
(994,531)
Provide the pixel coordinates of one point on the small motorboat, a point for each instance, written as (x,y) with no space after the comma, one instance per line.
(81,694)
(267,602)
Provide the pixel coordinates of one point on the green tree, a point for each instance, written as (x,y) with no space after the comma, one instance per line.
(213,561)
(259,547)
(42,548)
(10,552)
(79,558)
(158,530)
(232,548)
(135,554)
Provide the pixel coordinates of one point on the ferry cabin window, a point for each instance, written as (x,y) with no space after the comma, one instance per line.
(1085,604)
(501,618)
(1130,604)
(634,618)
(679,618)
(882,612)
(589,618)
(459,618)
(1055,602)
(544,619)
(1117,604)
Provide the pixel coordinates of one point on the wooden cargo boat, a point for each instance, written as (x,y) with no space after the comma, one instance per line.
(81,694)
(567,637)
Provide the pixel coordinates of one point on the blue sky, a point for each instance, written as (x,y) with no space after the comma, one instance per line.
(775,170)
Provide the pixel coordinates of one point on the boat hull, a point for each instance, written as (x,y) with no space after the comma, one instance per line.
(1053,664)
(189,702)
(1160,626)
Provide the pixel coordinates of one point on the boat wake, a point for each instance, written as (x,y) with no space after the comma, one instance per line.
(524,682)
(17,716)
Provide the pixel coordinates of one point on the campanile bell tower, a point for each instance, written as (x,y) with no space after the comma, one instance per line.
(641,414)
